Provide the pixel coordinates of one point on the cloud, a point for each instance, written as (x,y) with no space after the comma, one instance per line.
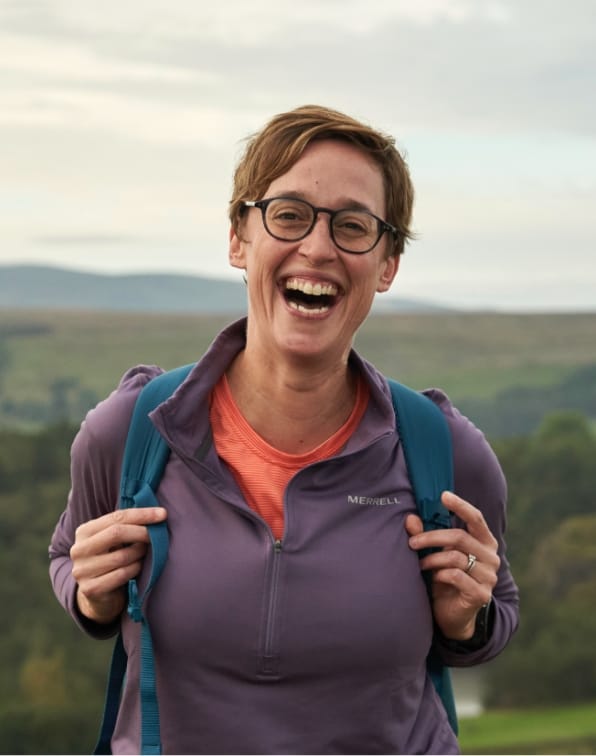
(44,60)
(88,239)
(482,64)
(124,119)
(139,118)
(236,23)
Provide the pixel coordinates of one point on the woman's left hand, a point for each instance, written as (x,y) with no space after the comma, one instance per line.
(464,569)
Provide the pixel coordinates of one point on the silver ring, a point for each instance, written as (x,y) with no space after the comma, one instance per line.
(471,562)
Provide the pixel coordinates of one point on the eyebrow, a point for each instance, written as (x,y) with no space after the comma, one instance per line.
(349,205)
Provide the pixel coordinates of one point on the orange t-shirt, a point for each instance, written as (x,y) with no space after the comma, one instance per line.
(261,471)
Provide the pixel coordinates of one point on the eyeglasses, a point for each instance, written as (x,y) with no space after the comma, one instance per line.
(291,219)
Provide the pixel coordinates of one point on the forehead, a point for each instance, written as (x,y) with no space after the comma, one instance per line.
(334,173)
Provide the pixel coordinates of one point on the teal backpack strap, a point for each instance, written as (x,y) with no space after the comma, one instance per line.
(145,457)
(426,443)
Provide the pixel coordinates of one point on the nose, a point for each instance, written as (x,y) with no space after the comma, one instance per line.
(318,246)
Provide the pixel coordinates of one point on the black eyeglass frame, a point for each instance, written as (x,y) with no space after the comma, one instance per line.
(263,204)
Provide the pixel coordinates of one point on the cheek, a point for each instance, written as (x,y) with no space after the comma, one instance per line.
(368,275)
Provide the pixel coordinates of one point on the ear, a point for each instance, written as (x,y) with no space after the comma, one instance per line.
(236,251)
(389,269)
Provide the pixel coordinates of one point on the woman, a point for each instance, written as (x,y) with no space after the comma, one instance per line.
(290,618)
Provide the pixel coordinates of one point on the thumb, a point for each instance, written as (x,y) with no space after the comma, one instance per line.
(413,525)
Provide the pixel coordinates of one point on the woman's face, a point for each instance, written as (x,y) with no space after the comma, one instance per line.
(340,287)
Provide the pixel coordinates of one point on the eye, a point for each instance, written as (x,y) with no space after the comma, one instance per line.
(289,212)
(354,224)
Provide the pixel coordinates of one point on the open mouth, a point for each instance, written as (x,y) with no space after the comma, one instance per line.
(309,297)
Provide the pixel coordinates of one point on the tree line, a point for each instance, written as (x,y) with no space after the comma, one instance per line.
(52,686)
(552,543)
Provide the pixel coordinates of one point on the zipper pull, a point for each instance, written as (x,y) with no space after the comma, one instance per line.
(277,545)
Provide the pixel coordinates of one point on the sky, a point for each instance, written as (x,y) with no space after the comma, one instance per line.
(121,123)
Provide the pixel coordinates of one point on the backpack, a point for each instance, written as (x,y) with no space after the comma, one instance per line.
(426,441)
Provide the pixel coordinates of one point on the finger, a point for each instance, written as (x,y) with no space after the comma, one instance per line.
(454,560)
(110,538)
(95,566)
(471,592)
(471,515)
(448,558)
(413,525)
(459,543)
(132,516)
(98,588)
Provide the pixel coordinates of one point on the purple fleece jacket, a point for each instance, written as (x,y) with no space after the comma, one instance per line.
(316,644)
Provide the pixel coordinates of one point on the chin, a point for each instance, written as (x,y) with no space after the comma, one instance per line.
(315,348)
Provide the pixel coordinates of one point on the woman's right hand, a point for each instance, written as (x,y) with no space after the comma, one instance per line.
(106,554)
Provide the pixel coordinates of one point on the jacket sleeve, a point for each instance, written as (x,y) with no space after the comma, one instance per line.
(479,479)
(96,456)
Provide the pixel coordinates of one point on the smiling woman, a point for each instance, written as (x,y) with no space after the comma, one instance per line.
(304,255)
(296,546)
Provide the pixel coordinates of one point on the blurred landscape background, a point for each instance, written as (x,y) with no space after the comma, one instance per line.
(528,380)
(122,124)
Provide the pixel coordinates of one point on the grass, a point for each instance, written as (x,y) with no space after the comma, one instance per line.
(469,355)
(94,348)
(476,355)
(564,729)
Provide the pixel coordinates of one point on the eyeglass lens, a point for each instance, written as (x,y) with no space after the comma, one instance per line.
(293,219)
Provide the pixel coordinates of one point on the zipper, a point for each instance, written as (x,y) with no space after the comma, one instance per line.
(269,657)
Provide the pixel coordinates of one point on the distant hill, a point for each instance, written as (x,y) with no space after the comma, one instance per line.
(53,288)
(50,288)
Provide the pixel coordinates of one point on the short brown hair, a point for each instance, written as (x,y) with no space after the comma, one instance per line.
(272,151)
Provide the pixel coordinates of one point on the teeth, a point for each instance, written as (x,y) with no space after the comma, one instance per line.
(309,310)
(316,290)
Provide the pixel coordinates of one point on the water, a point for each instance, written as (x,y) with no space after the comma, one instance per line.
(467,686)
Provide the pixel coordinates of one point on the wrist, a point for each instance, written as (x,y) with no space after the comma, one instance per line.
(103,612)
(482,628)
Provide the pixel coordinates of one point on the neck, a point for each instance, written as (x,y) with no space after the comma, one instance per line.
(294,408)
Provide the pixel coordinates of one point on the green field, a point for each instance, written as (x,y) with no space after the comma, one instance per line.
(469,355)
(570,730)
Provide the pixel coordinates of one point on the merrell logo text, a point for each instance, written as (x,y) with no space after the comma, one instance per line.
(373,501)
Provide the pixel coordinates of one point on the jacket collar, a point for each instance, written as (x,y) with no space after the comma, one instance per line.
(183,419)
